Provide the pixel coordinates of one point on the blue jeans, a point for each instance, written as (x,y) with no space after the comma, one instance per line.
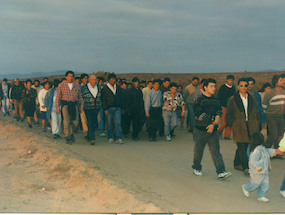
(5,105)
(101,121)
(259,181)
(91,116)
(282,188)
(114,117)
(190,116)
(201,138)
(170,121)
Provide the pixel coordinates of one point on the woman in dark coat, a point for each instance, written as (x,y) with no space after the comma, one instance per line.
(29,96)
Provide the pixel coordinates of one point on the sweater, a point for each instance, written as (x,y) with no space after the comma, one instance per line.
(225,93)
(189,95)
(90,102)
(206,109)
(109,99)
(273,102)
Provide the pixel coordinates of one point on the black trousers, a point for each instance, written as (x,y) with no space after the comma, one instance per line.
(154,121)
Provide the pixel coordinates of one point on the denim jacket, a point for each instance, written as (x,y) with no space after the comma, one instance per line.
(49,102)
(260,159)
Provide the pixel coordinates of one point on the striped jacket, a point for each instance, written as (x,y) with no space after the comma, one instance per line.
(90,102)
(274,102)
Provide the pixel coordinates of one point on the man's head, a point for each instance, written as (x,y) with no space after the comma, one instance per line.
(17,81)
(149,84)
(4,81)
(28,83)
(45,79)
(143,84)
(265,87)
(242,85)
(124,85)
(77,80)
(155,84)
(179,88)
(277,81)
(84,78)
(92,80)
(56,82)
(209,86)
(69,75)
(173,88)
(37,83)
(100,81)
(230,80)
(195,81)
(135,82)
(166,82)
(251,83)
(46,85)
(112,78)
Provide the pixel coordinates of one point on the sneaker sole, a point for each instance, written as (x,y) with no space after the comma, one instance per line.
(225,177)
(244,191)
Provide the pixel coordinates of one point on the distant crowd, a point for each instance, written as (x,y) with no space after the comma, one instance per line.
(115,108)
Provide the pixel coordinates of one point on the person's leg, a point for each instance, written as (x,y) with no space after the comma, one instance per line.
(75,123)
(117,121)
(192,117)
(223,121)
(282,188)
(54,125)
(16,111)
(280,123)
(273,131)
(200,140)
(167,122)
(90,124)
(136,125)
(214,146)
(21,110)
(173,122)
(110,122)
(101,121)
(242,147)
(264,185)
(188,117)
(66,121)
(84,121)
(8,106)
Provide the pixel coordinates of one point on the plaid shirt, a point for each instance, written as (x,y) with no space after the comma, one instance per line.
(65,94)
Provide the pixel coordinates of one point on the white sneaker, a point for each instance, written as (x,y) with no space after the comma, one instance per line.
(197,172)
(282,193)
(111,140)
(245,192)
(119,141)
(102,135)
(168,138)
(224,175)
(263,199)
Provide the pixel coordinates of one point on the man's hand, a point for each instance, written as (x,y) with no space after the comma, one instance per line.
(210,128)
(278,152)
(147,115)
(58,111)
(43,106)
(81,110)
(182,113)
(106,112)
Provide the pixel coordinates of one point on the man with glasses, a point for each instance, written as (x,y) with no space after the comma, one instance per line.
(243,117)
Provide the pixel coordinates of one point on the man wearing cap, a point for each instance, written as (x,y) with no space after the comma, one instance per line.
(225,92)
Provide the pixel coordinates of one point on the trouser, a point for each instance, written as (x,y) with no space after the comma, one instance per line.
(83,121)
(91,116)
(276,130)
(201,138)
(5,105)
(37,113)
(190,117)
(241,158)
(55,122)
(282,188)
(228,130)
(135,120)
(154,121)
(170,121)
(69,126)
(259,181)
(114,120)
(101,121)
(18,104)
(126,124)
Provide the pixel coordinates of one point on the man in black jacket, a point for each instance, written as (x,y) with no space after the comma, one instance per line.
(16,96)
(111,103)
(4,97)
(135,107)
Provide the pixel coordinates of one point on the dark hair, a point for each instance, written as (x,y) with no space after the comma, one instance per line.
(29,80)
(156,81)
(83,75)
(37,80)
(230,77)
(283,75)
(166,79)
(77,78)
(179,86)
(265,85)
(100,79)
(46,82)
(123,82)
(203,80)
(195,78)
(135,79)
(149,82)
(45,78)
(69,72)
(256,140)
(111,75)
(56,82)
(251,79)
(172,85)
(208,81)
(275,79)
(242,79)
(143,82)
(5,79)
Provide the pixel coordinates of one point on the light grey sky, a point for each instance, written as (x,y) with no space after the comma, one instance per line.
(126,36)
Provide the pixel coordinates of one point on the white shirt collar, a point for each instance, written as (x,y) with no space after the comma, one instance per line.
(93,90)
(229,86)
(113,89)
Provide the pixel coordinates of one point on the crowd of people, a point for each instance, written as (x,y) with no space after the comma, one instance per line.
(118,107)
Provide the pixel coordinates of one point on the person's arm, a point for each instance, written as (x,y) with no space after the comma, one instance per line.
(147,104)
(266,100)
(230,115)
(81,102)
(58,99)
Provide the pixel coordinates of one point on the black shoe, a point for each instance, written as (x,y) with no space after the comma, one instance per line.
(17,119)
(55,136)
(68,141)
(8,114)
(92,142)
(72,138)
(22,120)
(30,125)
(227,138)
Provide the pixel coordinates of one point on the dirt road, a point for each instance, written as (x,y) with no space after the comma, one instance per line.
(159,175)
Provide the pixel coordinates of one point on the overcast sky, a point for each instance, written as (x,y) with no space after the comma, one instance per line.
(126,36)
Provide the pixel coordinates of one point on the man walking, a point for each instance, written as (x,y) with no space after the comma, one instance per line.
(4,97)
(70,98)
(208,112)
(243,117)
(16,96)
